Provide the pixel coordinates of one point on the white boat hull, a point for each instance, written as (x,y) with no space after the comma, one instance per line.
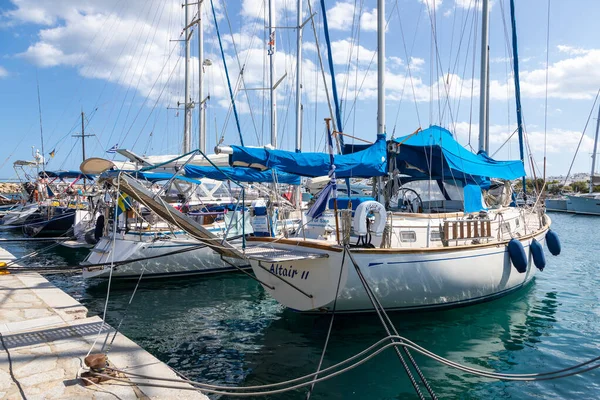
(201,260)
(401,280)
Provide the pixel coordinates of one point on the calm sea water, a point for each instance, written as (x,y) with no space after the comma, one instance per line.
(226,329)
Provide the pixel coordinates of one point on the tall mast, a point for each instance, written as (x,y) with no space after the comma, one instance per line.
(201,109)
(187,122)
(515,51)
(381,67)
(271,52)
(299,78)
(83,136)
(594,153)
(484,80)
(298,91)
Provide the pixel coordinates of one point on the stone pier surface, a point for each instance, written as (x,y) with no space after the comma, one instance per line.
(48,334)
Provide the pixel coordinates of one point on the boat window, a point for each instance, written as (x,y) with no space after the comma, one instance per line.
(505,227)
(408,236)
(517,223)
(435,236)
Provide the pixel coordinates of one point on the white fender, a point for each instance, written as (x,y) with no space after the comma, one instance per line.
(359,224)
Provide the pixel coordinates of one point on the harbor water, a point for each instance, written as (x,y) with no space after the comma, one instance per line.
(226,329)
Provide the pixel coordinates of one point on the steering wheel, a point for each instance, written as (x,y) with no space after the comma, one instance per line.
(408,200)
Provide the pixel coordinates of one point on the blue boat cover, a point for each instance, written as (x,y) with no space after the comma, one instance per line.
(366,163)
(434,154)
(240,174)
(66,174)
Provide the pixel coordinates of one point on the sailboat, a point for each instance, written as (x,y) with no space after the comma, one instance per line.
(414,253)
(588,203)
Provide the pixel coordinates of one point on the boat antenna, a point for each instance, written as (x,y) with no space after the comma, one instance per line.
(37,81)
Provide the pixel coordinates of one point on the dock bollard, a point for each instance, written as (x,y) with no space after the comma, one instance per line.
(97,363)
(3,270)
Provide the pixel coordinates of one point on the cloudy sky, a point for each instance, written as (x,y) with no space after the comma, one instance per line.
(121,62)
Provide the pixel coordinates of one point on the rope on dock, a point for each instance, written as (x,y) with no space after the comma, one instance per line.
(362,357)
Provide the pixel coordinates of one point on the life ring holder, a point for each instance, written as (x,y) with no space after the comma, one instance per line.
(359,223)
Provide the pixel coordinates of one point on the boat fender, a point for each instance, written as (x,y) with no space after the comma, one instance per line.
(359,224)
(537,252)
(553,243)
(517,255)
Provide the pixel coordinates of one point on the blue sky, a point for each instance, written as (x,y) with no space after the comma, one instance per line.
(118,62)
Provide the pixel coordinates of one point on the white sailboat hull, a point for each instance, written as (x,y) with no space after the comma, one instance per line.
(157,263)
(401,280)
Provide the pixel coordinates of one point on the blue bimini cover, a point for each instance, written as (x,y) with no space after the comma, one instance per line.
(241,174)
(434,154)
(66,174)
(372,161)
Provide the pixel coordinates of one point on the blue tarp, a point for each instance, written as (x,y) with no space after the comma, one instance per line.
(66,174)
(433,152)
(473,199)
(240,174)
(367,163)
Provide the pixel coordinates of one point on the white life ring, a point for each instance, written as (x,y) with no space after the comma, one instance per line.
(359,224)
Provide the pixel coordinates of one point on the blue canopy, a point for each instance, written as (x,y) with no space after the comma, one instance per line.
(366,163)
(434,154)
(66,174)
(240,174)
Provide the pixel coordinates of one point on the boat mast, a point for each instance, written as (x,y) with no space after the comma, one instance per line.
(484,80)
(187,122)
(83,136)
(594,153)
(201,109)
(381,67)
(298,91)
(515,51)
(271,52)
(380,83)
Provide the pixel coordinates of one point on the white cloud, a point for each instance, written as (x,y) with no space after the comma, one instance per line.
(342,15)
(572,50)
(3,72)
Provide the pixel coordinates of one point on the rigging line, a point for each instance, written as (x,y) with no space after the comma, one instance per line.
(546,90)
(110,275)
(438,63)
(459,101)
(237,120)
(455,67)
(241,66)
(331,114)
(141,73)
(475,23)
(409,61)
(375,304)
(360,11)
(406,73)
(121,81)
(81,58)
(368,69)
(150,92)
(581,138)
(337,291)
